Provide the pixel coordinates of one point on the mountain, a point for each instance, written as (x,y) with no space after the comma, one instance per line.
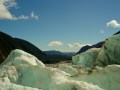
(69,53)
(57,56)
(98,45)
(53,52)
(85,48)
(8,43)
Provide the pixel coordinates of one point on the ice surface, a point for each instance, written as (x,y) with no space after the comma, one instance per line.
(104,77)
(101,67)
(68,69)
(10,86)
(107,55)
(22,71)
(21,57)
(86,59)
(110,52)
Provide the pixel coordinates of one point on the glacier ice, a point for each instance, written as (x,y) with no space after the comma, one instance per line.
(107,55)
(86,59)
(110,51)
(101,66)
(22,71)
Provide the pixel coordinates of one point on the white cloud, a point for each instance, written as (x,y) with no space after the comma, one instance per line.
(77,45)
(10,3)
(5,5)
(23,17)
(32,15)
(113,24)
(4,12)
(55,43)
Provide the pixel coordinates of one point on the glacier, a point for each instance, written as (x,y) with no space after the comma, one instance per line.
(100,66)
(23,71)
(110,51)
(107,55)
(86,59)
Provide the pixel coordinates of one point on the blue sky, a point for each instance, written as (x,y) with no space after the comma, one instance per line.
(64,25)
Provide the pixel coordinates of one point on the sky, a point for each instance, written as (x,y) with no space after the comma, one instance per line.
(64,25)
